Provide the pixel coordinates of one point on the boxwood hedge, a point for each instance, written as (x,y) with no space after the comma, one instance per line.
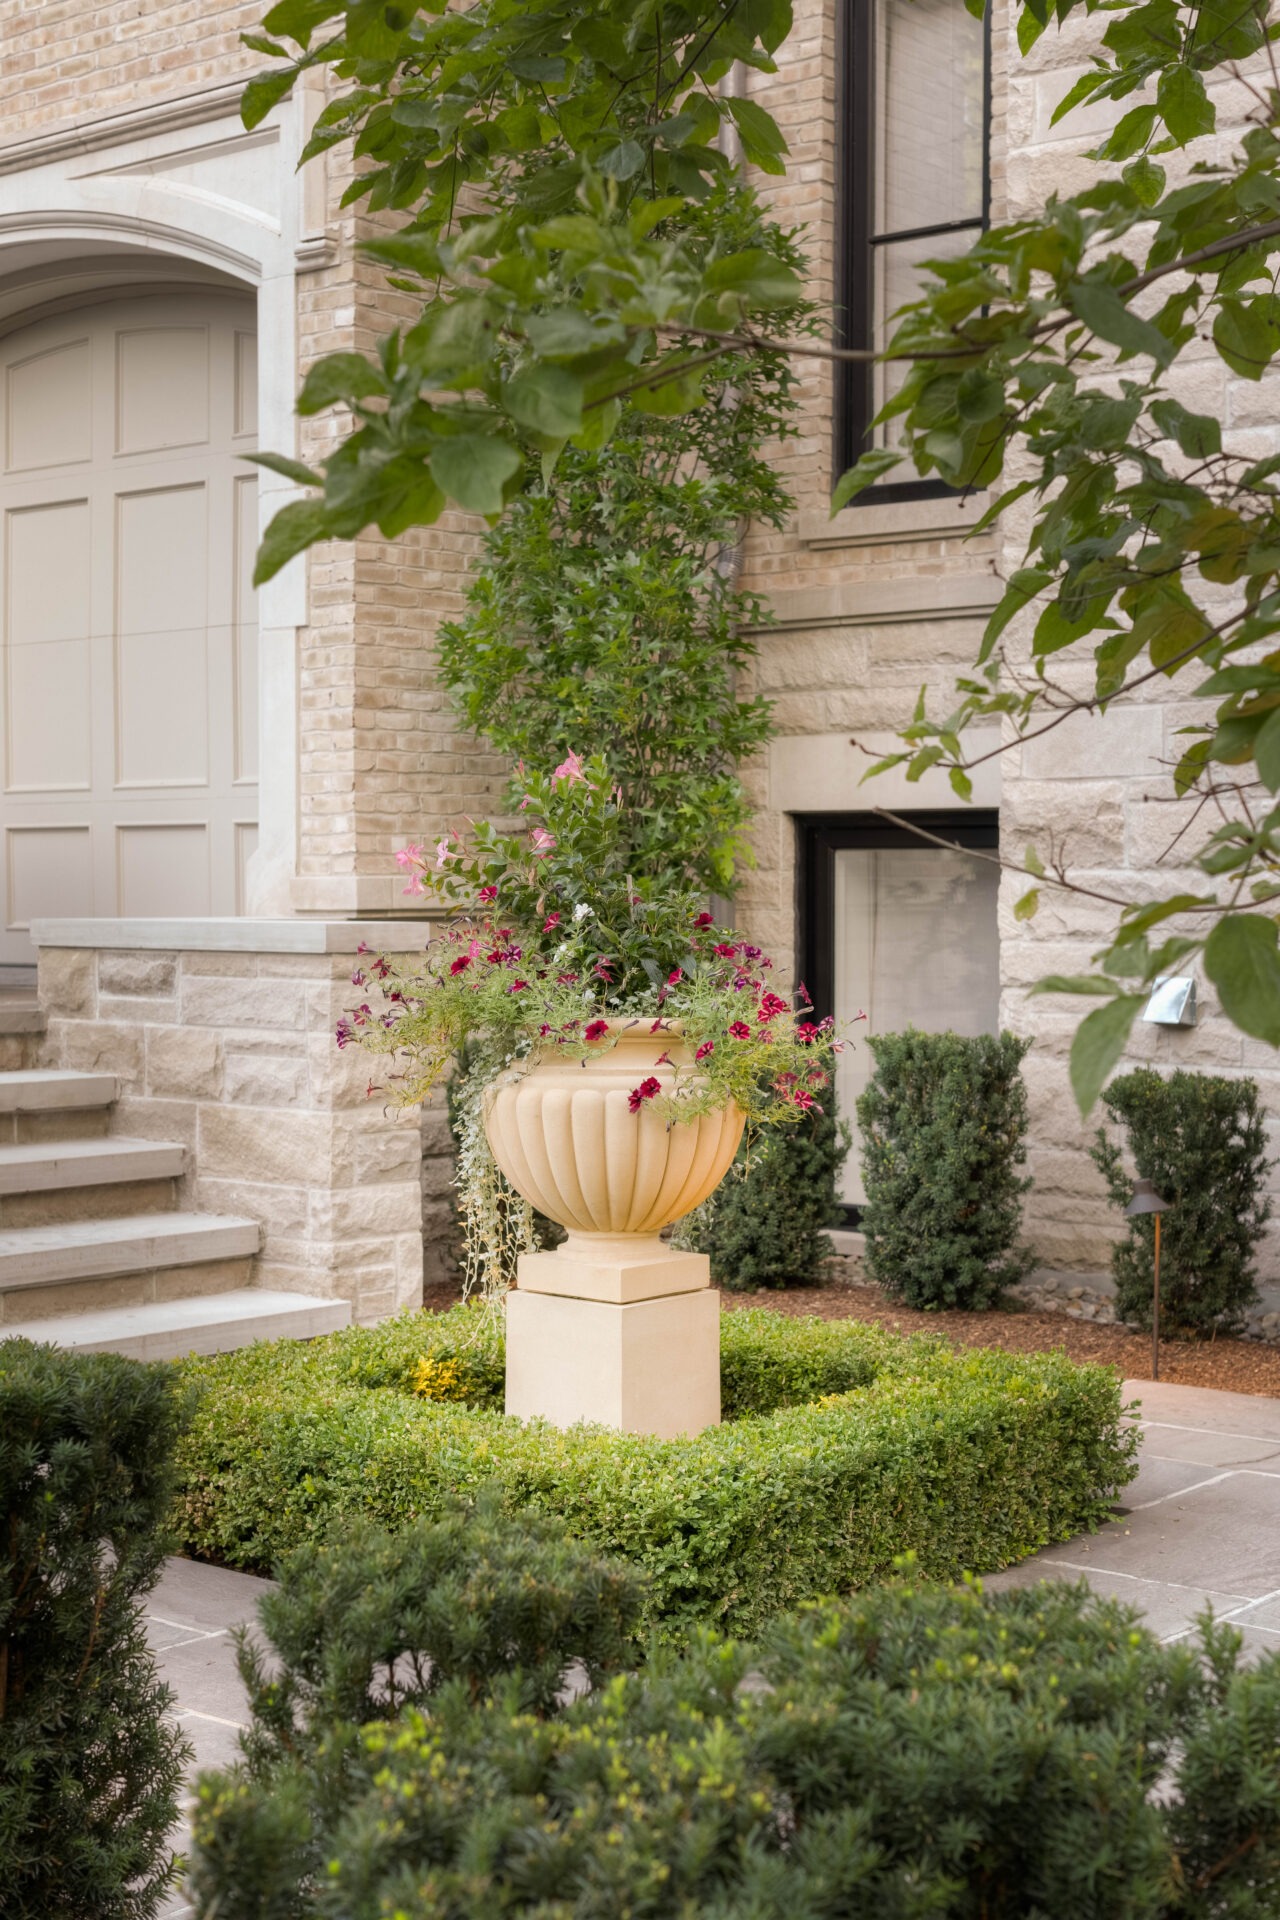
(843,1447)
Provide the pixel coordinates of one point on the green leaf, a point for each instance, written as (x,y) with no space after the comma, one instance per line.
(1025,908)
(1240,958)
(263,92)
(1093,983)
(291,469)
(980,395)
(1146,179)
(547,400)
(339,377)
(762,140)
(1266,751)
(1100,1040)
(1130,135)
(622,162)
(1185,107)
(292,530)
(1103,311)
(1247,334)
(473,468)
(870,467)
(961,784)
(754,274)
(1033,863)
(1198,434)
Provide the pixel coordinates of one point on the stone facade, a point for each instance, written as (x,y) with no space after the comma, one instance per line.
(233,1050)
(229,1050)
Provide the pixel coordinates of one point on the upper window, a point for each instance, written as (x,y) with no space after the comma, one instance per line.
(916,182)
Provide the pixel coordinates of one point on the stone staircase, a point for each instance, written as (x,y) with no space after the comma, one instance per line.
(95,1252)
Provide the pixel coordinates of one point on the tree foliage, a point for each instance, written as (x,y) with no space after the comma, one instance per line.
(1043,363)
(606,611)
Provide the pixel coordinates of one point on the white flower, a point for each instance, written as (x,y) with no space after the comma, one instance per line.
(581,911)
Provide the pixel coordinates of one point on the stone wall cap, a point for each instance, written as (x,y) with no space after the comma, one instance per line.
(298,935)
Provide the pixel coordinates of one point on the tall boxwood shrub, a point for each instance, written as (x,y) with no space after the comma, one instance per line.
(944,1129)
(766,1226)
(89,1768)
(1202,1140)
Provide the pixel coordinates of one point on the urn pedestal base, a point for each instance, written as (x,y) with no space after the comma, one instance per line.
(631,1343)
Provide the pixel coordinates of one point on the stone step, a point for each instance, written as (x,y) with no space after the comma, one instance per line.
(44,1089)
(213,1323)
(73,1250)
(45,1166)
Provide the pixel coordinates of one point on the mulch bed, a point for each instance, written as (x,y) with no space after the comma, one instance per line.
(1235,1366)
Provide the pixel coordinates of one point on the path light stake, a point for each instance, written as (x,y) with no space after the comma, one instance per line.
(1147,1200)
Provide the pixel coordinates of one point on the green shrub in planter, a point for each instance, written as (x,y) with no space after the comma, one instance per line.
(944,1131)
(1202,1139)
(917,1752)
(851,1446)
(89,1767)
(766,1225)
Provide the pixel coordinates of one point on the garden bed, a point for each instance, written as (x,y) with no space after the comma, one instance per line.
(844,1446)
(1232,1366)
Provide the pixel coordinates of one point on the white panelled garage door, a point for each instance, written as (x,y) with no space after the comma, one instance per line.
(129,681)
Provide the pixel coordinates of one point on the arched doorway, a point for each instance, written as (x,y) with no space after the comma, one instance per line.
(128,643)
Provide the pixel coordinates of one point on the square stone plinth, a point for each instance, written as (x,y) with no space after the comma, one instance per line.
(649,1367)
(614,1268)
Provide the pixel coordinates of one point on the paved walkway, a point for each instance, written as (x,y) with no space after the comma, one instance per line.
(1200,1526)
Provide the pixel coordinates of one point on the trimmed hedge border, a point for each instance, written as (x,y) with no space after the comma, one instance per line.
(846,1447)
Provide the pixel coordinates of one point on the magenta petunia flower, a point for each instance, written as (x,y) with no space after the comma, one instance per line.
(596,1029)
(645,1091)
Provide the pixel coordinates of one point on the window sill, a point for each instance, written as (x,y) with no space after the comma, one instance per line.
(894,520)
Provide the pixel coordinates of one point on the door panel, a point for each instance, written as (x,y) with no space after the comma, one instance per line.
(128,683)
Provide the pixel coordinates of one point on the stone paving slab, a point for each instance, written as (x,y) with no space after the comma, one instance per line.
(190,1617)
(1199,1527)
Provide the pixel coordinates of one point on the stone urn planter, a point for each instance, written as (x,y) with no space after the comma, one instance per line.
(613,1327)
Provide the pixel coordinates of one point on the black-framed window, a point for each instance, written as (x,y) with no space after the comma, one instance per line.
(900,929)
(916,118)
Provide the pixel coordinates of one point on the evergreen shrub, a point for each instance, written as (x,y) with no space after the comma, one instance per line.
(89,1768)
(845,1447)
(766,1225)
(915,1752)
(1202,1140)
(944,1131)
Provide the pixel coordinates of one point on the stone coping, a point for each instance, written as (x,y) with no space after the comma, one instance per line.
(297,935)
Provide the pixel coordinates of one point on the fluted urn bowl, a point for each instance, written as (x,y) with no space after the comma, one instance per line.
(564,1135)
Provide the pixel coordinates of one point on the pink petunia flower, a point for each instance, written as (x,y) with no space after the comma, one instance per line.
(517,986)
(723,951)
(415,886)
(543,841)
(410,856)
(551,922)
(770,1006)
(675,976)
(740,1030)
(486,894)
(708,1046)
(444,852)
(645,1091)
(704,920)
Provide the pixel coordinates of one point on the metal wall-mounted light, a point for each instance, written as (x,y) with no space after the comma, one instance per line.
(1147,1200)
(1172,1002)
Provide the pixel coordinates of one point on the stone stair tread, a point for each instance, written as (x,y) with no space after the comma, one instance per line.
(40,1166)
(97,1249)
(40,1089)
(207,1323)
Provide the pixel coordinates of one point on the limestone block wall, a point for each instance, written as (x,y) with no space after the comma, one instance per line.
(1100,791)
(229,1048)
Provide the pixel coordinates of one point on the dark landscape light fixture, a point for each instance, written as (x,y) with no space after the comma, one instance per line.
(1147,1200)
